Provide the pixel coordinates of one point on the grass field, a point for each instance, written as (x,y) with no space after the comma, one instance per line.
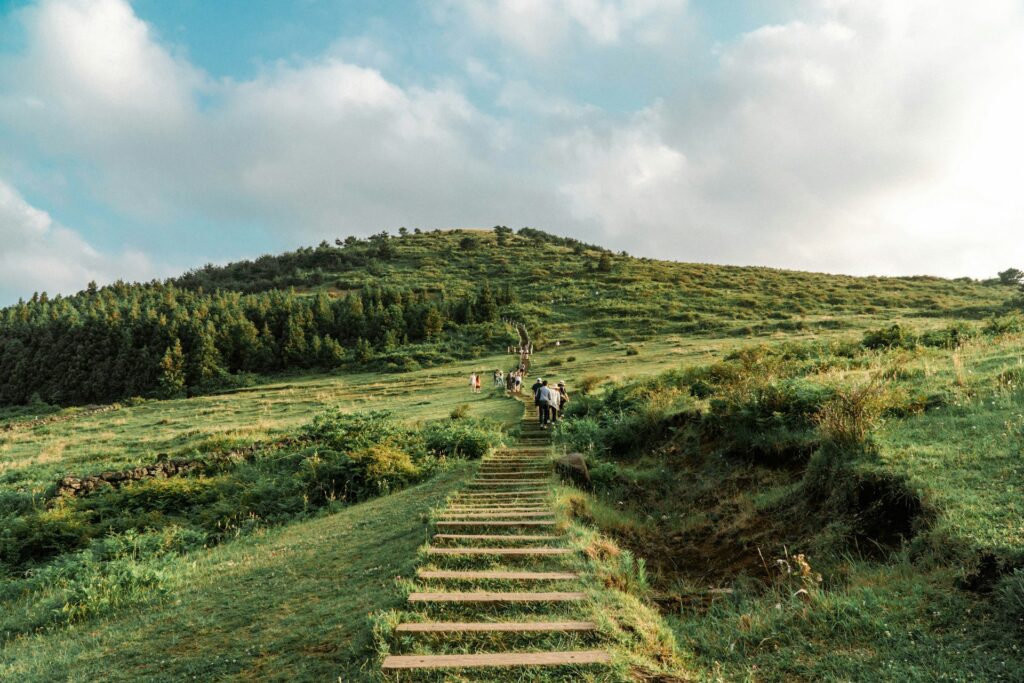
(289,604)
(711,473)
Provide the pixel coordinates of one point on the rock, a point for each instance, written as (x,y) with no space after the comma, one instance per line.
(572,467)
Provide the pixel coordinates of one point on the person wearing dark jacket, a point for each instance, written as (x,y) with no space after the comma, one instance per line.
(544,410)
(541,407)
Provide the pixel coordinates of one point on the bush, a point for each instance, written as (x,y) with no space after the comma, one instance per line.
(849,416)
(632,351)
(385,467)
(583,434)
(951,337)
(459,411)
(894,337)
(589,383)
(467,438)
(1006,324)
(121,570)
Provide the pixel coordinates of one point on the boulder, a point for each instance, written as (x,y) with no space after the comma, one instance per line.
(572,468)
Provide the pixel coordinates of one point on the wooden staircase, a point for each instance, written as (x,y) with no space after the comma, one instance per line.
(503,519)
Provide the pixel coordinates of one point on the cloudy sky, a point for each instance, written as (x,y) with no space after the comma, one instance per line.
(138,139)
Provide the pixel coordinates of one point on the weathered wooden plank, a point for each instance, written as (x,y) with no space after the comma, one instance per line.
(491,596)
(498,659)
(497,575)
(433,550)
(495,626)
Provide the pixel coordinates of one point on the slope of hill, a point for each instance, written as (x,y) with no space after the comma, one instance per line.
(403,302)
(736,416)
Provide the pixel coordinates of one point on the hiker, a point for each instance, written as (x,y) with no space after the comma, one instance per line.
(472,382)
(541,407)
(564,396)
(497,378)
(542,399)
(476,389)
(518,382)
(554,405)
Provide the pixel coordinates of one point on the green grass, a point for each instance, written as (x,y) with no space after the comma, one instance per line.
(919,611)
(31,460)
(289,604)
(293,602)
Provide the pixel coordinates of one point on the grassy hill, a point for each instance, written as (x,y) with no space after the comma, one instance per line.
(733,417)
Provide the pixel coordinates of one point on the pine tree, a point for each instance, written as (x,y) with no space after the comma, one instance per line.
(433,322)
(172,370)
(293,347)
(204,358)
(363,351)
(486,306)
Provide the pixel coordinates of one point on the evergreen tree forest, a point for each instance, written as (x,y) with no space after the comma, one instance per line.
(161,339)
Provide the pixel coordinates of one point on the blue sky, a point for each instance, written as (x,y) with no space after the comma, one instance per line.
(139,139)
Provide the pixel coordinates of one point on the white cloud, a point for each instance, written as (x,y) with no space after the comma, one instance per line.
(867,138)
(315,148)
(40,255)
(540,28)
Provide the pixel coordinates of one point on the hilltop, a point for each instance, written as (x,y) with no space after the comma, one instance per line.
(419,299)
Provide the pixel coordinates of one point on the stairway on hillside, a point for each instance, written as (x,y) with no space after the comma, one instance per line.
(497,589)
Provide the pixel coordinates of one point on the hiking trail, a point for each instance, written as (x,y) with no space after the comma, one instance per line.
(497,587)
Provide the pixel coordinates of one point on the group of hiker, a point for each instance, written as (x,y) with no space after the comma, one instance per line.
(550,402)
(520,350)
(513,380)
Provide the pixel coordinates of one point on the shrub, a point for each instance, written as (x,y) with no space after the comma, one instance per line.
(1005,324)
(950,337)
(386,467)
(583,434)
(848,417)
(589,383)
(465,438)
(120,570)
(459,411)
(632,351)
(348,432)
(895,336)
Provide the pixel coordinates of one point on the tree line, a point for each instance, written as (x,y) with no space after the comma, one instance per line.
(124,340)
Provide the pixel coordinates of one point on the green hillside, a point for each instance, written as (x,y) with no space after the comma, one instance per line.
(748,430)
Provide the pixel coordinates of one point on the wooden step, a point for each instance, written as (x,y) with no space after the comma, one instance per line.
(488,660)
(491,596)
(497,522)
(496,575)
(496,627)
(496,508)
(434,550)
(508,514)
(508,484)
(503,483)
(506,497)
(496,537)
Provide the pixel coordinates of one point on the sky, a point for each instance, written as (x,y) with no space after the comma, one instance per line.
(142,138)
